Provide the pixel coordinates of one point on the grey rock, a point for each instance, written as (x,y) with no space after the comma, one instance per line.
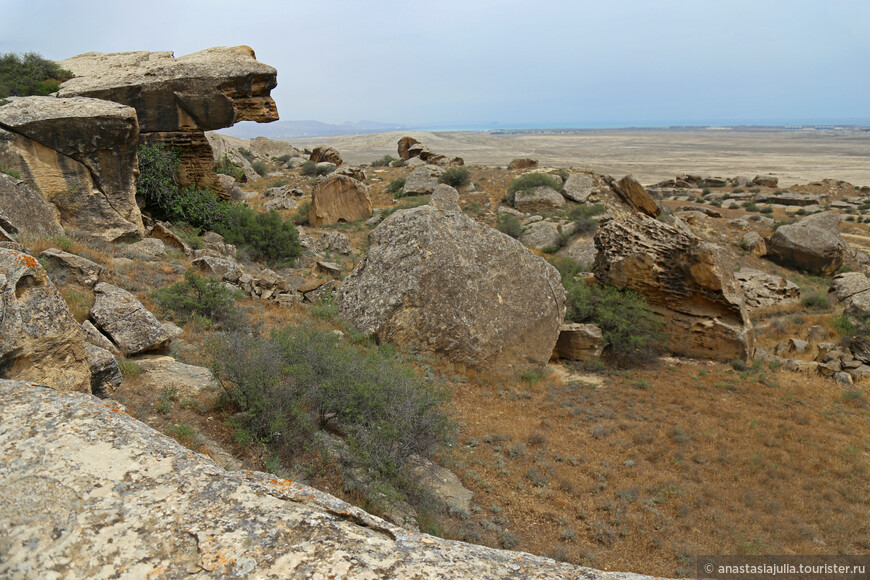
(523,163)
(64,268)
(761,289)
(40,340)
(162,371)
(438,281)
(442,483)
(765,180)
(445,198)
(578,187)
(223,268)
(540,234)
(281,203)
(423,180)
(846,285)
(162,232)
(814,244)
(754,243)
(541,198)
(23,209)
(97,338)
(818,333)
(843,378)
(125,321)
(148,250)
(580,342)
(581,250)
(329,241)
(105,372)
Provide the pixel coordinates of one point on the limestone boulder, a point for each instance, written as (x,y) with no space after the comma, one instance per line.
(178,99)
(147,250)
(438,281)
(523,163)
(22,208)
(635,196)
(578,187)
(339,198)
(281,203)
(540,198)
(324,154)
(761,289)
(95,337)
(127,323)
(766,180)
(423,180)
(73,463)
(161,371)
(581,250)
(162,232)
(688,281)
(351,171)
(541,234)
(813,244)
(848,284)
(224,268)
(40,341)
(579,342)
(329,241)
(754,243)
(404,146)
(64,268)
(79,154)
(105,371)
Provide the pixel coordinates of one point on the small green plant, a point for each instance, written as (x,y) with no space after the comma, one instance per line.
(300,218)
(207,298)
(260,168)
(816,301)
(509,224)
(165,399)
(399,163)
(29,74)
(326,309)
(533,377)
(396,187)
(455,177)
(129,369)
(226,166)
(583,217)
(529,181)
(766,209)
(311,169)
(383,161)
(266,235)
(183,433)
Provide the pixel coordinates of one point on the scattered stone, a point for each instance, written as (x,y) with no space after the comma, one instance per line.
(761,289)
(339,198)
(350,171)
(848,284)
(162,232)
(281,203)
(325,154)
(791,345)
(540,198)
(818,333)
(105,372)
(405,144)
(97,338)
(633,193)
(753,243)
(64,268)
(843,378)
(329,268)
(579,342)
(148,250)
(814,244)
(445,198)
(581,250)
(541,234)
(523,163)
(423,180)
(578,187)
(159,372)
(739,223)
(442,483)
(125,321)
(40,341)
(224,268)
(765,181)
(438,281)
(687,280)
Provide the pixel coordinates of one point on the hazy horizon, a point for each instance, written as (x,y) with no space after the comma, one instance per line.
(634,63)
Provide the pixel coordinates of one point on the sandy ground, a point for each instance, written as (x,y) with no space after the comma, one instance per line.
(795,156)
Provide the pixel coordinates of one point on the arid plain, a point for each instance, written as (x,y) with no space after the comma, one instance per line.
(795,156)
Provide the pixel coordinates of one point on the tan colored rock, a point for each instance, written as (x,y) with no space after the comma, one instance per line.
(80,154)
(633,194)
(177,99)
(163,233)
(765,180)
(39,338)
(436,280)
(126,321)
(97,338)
(813,244)
(523,163)
(64,268)
(541,198)
(324,154)
(687,280)
(405,144)
(579,342)
(422,180)
(339,198)
(105,371)
(754,243)
(159,372)
(578,187)
(73,464)
(761,289)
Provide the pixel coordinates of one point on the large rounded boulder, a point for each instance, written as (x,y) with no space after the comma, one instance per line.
(813,244)
(435,280)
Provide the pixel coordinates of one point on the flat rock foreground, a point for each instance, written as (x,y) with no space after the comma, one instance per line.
(86,491)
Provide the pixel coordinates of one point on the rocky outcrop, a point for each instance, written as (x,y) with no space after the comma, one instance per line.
(177,99)
(22,207)
(339,198)
(405,144)
(541,234)
(578,187)
(632,193)
(39,338)
(523,163)
(64,268)
(436,280)
(761,289)
(685,279)
(579,342)
(329,241)
(766,180)
(813,244)
(423,180)
(80,155)
(105,371)
(160,371)
(129,325)
(74,465)
(324,154)
(540,198)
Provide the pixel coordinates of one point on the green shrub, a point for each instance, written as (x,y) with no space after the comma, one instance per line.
(303,379)
(260,168)
(509,224)
(396,187)
(158,167)
(29,74)
(205,297)
(246,154)
(227,167)
(284,158)
(310,169)
(528,181)
(455,177)
(582,216)
(300,218)
(267,235)
(383,161)
(766,209)
(399,163)
(816,301)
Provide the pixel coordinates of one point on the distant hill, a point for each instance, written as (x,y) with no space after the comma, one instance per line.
(293,129)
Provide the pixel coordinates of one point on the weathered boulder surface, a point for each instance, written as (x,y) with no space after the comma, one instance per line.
(64,267)
(635,196)
(324,154)
(438,281)
(578,187)
(761,289)
(580,342)
(540,198)
(523,163)
(105,371)
(39,338)
(814,244)
(848,284)
(685,279)
(73,464)
(22,207)
(423,180)
(81,155)
(177,99)
(126,321)
(160,371)
(339,198)
(540,235)
(404,146)
(766,180)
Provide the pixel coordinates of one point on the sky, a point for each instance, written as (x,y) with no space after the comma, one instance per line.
(506,62)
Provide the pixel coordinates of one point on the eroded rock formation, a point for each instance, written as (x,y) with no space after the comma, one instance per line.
(684,278)
(177,99)
(813,244)
(339,198)
(438,281)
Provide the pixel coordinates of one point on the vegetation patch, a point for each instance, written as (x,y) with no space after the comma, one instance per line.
(29,74)
(455,177)
(529,181)
(205,299)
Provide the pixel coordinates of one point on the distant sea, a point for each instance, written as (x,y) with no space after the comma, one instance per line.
(780,123)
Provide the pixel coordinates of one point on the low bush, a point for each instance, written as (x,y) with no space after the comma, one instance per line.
(300,218)
(399,163)
(383,161)
(396,187)
(528,181)
(509,224)
(29,74)
(455,177)
(227,167)
(816,301)
(266,235)
(583,217)
(311,169)
(206,299)
(246,154)
(303,379)
(260,168)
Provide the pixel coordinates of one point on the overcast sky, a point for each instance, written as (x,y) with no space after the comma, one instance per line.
(476,62)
